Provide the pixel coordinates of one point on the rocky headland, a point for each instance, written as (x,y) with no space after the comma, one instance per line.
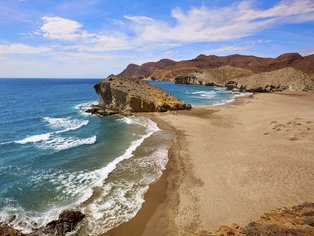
(66,223)
(125,95)
(289,71)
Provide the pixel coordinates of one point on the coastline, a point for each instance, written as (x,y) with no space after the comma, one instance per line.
(276,128)
(160,195)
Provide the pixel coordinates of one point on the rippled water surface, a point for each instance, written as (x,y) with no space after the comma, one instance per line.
(53,156)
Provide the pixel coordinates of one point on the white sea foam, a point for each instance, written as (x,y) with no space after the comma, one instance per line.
(65,123)
(223,102)
(34,138)
(205,94)
(59,143)
(246,94)
(85,106)
(122,199)
(80,184)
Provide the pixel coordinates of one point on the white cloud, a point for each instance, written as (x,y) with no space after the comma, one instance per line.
(19,48)
(62,29)
(70,46)
(205,24)
(58,28)
(199,24)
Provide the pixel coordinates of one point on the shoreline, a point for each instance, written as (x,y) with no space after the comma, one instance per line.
(167,200)
(157,195)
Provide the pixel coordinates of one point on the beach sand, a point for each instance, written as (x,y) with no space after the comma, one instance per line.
(230,164)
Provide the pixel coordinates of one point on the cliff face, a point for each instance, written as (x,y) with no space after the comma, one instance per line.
(121,94)
(163,69)
(217,76)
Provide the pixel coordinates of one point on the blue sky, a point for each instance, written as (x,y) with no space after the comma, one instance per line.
(94,38)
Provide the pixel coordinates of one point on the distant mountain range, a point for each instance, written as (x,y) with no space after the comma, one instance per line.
(252,63)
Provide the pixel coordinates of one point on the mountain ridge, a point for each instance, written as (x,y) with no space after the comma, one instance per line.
(248,62)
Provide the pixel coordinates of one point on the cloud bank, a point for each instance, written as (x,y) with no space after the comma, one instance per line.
(62,38)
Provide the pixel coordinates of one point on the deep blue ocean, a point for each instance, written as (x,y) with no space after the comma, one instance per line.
(53,156)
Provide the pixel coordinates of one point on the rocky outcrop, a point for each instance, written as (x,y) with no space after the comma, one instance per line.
(279,80)
(217,76)
(121,94)
(6,230)
(164,69)
(188,79)
(296,221)
(66,223)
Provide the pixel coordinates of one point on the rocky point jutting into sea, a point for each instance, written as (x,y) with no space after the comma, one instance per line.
(124,95)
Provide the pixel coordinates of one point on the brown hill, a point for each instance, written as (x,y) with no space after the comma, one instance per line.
(278,80)
(166,68)
(146,69)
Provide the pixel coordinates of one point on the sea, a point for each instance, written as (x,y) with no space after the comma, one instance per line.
(54,156)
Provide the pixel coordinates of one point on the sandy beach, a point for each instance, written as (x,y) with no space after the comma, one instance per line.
(230,164)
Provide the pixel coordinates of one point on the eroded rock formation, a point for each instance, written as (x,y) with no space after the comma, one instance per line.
(66,223)
(121,94)
(217,76)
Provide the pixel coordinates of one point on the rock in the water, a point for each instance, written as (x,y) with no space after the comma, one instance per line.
(121,94)
(6,230)
(66,223)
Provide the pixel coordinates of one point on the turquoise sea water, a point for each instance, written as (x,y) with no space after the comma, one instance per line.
(53,156)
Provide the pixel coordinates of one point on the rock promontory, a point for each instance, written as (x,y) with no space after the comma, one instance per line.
(123,95)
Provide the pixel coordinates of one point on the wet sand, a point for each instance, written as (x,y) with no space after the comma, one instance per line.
(230,164)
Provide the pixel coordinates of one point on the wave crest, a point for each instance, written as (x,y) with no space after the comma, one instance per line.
(66,123)
(34,138)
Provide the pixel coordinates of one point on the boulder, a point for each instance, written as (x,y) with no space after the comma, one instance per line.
(124,95)
(66,223)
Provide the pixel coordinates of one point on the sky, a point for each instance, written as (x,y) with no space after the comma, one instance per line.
(95,38)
